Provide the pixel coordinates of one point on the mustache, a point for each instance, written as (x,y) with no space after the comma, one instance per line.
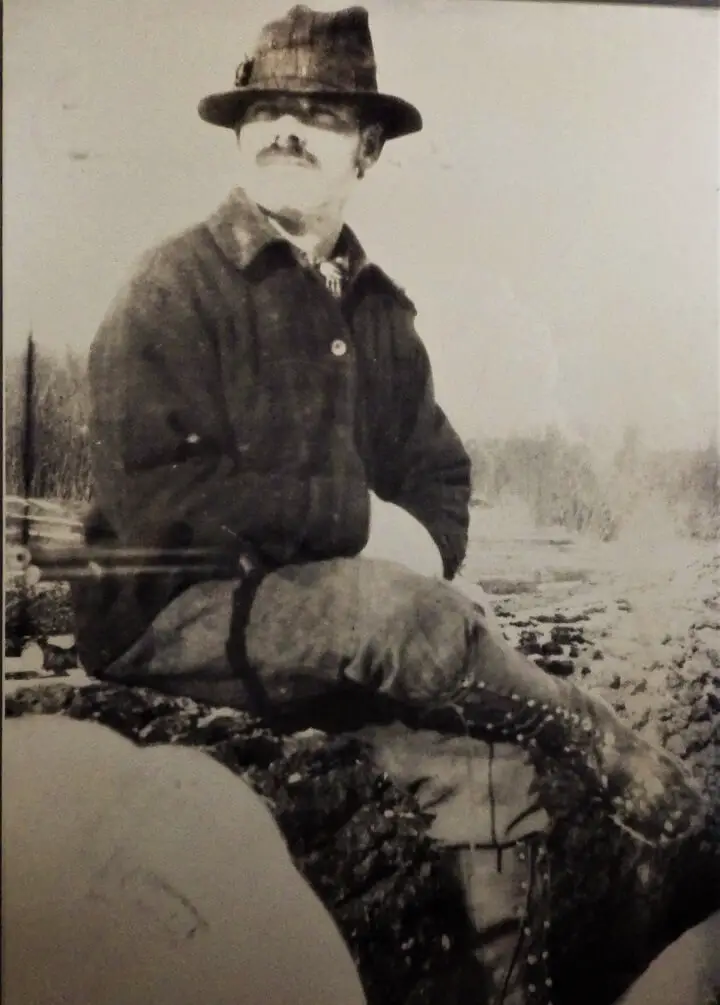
(293,149)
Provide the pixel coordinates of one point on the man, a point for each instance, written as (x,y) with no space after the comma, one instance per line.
(260,394)
(153,876)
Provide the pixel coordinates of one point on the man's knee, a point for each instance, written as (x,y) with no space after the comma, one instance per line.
(414,636)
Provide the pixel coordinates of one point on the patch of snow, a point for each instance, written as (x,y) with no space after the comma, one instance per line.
(76,678)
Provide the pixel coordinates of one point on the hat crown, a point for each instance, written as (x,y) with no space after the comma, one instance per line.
(312,50)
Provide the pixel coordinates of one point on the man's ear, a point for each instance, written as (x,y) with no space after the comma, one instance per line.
(371,144)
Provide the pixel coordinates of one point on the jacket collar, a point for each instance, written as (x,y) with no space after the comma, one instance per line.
(243,232)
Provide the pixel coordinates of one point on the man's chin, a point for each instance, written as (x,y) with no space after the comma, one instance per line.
(286,191)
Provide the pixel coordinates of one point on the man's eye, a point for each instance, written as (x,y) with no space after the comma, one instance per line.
(330,118)
(325,118)
(264,113)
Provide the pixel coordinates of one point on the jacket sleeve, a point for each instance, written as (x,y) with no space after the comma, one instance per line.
(165,461)
(421,463)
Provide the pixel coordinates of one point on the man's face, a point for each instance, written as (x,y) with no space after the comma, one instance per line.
(298,154)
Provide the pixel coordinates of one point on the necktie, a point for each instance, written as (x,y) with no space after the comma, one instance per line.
(332,271)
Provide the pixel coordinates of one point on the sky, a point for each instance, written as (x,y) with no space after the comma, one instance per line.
(556,221)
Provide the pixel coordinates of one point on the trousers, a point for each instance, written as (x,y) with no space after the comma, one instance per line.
(365,621)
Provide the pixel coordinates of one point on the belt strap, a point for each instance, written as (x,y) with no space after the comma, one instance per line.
(253,574)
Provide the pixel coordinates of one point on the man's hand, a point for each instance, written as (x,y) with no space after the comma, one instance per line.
(475,593)
(397,536)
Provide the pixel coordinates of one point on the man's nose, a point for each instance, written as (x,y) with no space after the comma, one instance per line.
(290,127)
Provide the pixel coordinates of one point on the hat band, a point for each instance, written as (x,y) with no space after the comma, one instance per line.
(301,85)
(305,68)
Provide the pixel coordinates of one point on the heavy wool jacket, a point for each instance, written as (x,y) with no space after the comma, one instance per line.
(236,402)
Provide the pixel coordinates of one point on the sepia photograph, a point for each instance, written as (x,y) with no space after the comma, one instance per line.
(361,395)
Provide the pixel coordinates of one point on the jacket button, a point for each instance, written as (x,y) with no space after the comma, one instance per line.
(338,348)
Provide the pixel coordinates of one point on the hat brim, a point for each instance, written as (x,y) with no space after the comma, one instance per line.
(397,117)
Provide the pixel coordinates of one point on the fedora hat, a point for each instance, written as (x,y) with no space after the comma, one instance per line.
(328,56)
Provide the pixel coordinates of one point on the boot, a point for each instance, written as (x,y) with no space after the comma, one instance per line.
(504,696)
